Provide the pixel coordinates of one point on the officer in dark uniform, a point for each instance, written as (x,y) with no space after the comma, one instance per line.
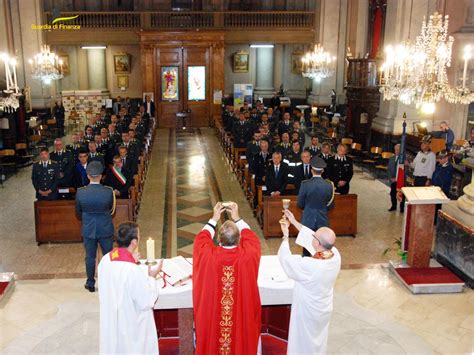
(65,163)
(95,205)
(315,198)
(260,161)
(241,131)
(45,177)
(293,160)
(285,126)
(75,147)
(94,155)
(253,147)
(285,146)
(314,148)
(340,170)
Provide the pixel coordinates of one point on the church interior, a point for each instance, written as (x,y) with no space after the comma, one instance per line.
(188,103)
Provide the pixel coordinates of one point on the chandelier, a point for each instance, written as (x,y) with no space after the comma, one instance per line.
(417,73)
(9,96)
(318,64)
(46,66)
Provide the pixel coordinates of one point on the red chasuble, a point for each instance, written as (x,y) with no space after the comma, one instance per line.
(226,301)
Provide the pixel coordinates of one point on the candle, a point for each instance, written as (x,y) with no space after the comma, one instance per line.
(15,83)
(150,250)
(467,56)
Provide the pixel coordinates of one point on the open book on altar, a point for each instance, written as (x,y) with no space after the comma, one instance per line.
(177,270)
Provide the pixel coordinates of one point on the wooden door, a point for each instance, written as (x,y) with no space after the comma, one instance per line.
(196,85)
(183,84)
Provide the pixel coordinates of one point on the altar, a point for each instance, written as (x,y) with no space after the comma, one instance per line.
(174,314)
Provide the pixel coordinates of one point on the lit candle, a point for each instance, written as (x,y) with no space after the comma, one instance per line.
(150,250)
(15,83)
(467,56)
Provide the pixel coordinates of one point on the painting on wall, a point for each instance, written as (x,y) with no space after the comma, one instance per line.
(169,84)
(296,62)
(122,81)
(197,83)
(64,58)
(122,63)
(241,62)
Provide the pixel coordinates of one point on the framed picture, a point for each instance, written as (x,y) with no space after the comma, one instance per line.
(197,83)
(296,62)
(122,63)
(241,62)
(169,84)
(65,66)
(122,81)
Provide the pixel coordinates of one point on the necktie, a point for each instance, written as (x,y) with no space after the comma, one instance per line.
(276,171)
(45,165)
(306,170)
(264,156)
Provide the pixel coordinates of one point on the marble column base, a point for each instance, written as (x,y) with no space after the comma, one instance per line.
(264,92)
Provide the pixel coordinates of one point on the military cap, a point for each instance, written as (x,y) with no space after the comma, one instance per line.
(94,168)
(318,163)
(442,154)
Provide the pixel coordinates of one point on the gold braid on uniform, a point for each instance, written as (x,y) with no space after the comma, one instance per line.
(333,192)
(114,204)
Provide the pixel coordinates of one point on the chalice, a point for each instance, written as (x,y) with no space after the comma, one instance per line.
(286,204)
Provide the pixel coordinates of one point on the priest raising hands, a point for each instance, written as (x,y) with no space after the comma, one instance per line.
(314,284)
(226,301)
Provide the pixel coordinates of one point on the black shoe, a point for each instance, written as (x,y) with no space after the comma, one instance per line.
(392,209)
(89,288)
(402,211)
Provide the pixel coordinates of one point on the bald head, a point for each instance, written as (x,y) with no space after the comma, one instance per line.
(326,237)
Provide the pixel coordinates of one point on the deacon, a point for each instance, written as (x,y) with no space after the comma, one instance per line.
(127,296)
(314,278)
(226,300)
(315,198)
(95,205)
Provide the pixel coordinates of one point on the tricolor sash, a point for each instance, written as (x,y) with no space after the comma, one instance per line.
(122,254)
(120,177)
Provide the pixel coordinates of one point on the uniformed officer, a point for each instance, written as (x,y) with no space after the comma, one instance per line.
(65,163)
(95,205)
(340,170)
(253,147)
(94,155)
(315,198)
(285,146)
(241,131)
(285,126)
(75,147)
(45,177)
(260,161)
(314,148)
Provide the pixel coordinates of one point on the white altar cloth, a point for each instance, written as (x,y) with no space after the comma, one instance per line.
(275,287)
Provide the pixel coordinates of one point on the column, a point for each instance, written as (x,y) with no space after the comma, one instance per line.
(97,70)
(83,80)
(278,67)
(264,83)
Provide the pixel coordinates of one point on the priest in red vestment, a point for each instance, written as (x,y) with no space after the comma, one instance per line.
(226,301)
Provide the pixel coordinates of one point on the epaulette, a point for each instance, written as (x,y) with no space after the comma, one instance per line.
(305,181)
(108,187)
(82,187)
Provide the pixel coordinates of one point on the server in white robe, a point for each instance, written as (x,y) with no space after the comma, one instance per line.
(127,297)
(314,284)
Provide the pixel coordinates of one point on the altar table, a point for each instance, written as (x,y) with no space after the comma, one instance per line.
(174,315)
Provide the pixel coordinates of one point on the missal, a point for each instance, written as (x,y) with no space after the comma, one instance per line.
(177,270)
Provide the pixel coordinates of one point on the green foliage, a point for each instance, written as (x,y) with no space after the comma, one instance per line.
(396,246)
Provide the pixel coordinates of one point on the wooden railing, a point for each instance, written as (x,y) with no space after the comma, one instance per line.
(189,20)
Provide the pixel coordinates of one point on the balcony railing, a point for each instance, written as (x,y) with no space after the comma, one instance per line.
(190,20)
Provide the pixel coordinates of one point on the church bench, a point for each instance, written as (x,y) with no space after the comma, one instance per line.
(56,221)
(342,217)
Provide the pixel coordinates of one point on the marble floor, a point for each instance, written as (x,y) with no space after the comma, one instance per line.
(373,312)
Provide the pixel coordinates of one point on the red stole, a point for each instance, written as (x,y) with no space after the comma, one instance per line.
(226,300)
(122,254)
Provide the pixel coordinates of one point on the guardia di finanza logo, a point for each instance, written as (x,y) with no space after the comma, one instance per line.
(57,24)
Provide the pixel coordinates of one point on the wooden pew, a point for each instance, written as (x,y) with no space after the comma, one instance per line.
(56,221)
(342,217)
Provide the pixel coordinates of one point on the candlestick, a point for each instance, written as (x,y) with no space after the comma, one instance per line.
(150,251)
(467,56)
(15,83)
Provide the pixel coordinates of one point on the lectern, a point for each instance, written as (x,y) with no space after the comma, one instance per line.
(417,239)
(419,222)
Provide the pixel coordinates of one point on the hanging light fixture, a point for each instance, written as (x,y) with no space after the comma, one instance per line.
(318,64)
(46,66)
(417,73)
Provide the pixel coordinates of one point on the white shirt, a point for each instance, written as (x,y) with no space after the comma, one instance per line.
(312,298)
(424,164)
(127,297)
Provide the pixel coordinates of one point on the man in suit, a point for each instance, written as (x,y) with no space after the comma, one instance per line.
(79,176)
(392,175)
(65,163)
(315,198)
(285,125)
(241,131)
(303,171)
(45,177)
(260,162)
(95,205)
(276,176)
(129,163)
(118,178)
(301,135)
(340,170)
(149,106)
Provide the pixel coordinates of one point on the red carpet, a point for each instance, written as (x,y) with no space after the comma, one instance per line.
(270,345)
(3,287)
(427,275)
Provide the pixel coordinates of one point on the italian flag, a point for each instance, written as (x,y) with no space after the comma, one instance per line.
(118,174)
